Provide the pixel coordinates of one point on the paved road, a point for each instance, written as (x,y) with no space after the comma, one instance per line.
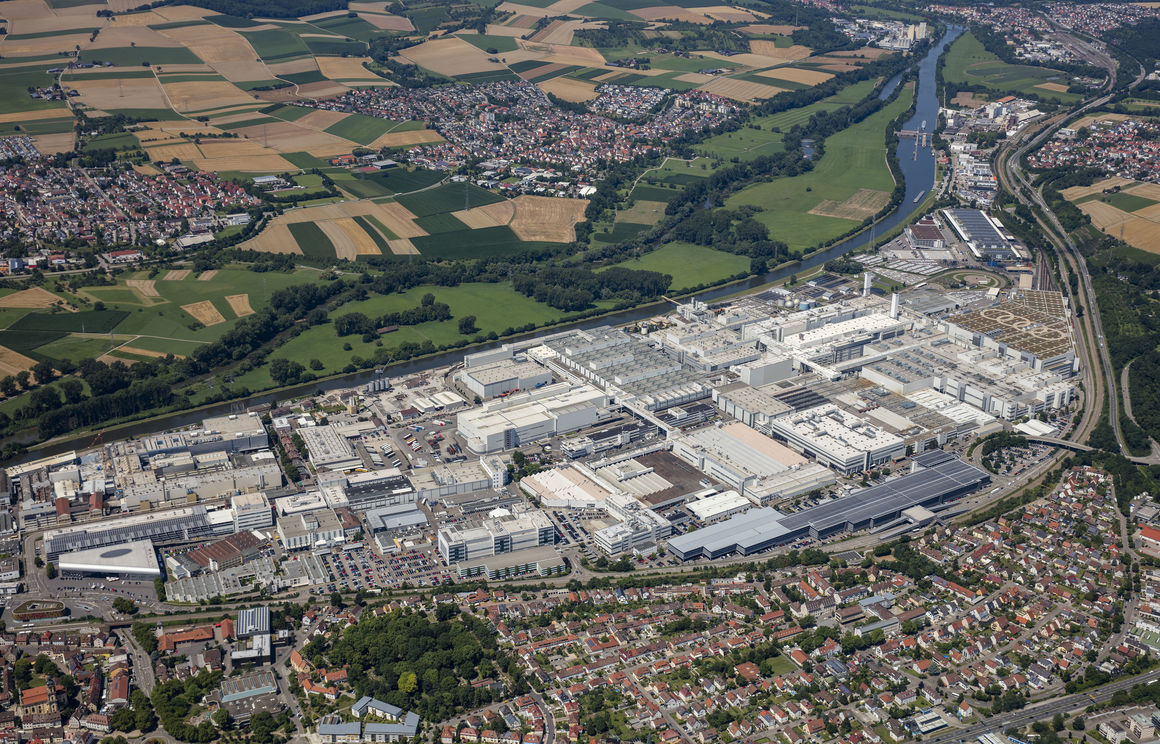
(1042,711)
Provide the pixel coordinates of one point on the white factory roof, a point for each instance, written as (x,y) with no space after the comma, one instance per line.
(137,558)
(531,407)
(719,504)
(737,445)
(566,485)
(864,324)
(836,431)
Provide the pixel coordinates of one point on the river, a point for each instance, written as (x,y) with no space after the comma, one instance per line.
(918,172)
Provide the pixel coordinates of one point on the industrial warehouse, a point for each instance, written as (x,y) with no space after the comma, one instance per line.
(939,479)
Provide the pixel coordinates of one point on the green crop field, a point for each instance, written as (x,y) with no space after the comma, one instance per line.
(361,128)
(967,61)
(689,265)
(400,180)
(450,197)
(141,55)
(500,44)
(1121,200)
(275,44)
(486,241)
(312,240)
(441,223)
(854,159)
(335,47)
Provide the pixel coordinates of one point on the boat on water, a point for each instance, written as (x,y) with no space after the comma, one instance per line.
(919,196)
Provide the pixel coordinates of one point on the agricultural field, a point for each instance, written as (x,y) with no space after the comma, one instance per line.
(1122,208)
(690,265)
(850,182)
(969,63)
(138,318)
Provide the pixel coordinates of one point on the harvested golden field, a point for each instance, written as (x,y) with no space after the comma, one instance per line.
(321,119)
(522,22)
(206,276)
(118,94)
(344,248)
(489,215)
(231,148)
(864,203)
(398,219)
(356,236)
(13,362)
(760,29)
(413,137)
(494,29)
(696,78)
(1151,213)
(794,75)
(1090,119)
(42,115)
(1053,87)
(568,55)
(1135,230)
(181,13)
(245,164)
(146,287)
(213,44)
(194,95)
(113,37)
(176,275)
(1079,192)
(240,304)
(754,61)
(204,312)
(670,13)
(51,144)
(322,89)
(285,136)
(36,298)
(730,14)
(348,68)
(867,52)
(64,43)
(276,238)
(967,99)
(449,56)
(576,91)
(770,49)
(559,32)
(385,21)
(183,151)
(147,18)
(403,247)
(547,218)
(1146,190)
(740,90)
(564,7)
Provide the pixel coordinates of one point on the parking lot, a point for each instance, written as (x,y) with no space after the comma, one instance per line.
(360,569)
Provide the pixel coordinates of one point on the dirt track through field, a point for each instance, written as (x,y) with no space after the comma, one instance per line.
(147,287)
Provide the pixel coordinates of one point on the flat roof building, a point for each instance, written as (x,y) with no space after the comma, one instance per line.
(501,533)
(132,560)
(519,419)
(839,439)
(494,379)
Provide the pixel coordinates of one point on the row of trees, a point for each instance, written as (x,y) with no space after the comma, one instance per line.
(571,289)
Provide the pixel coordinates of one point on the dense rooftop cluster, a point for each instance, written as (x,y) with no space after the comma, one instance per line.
(1006,19)
(40,201)
(516,121)
(1097,18)
(1129,148)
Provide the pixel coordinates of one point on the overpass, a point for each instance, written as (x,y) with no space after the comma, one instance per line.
(1077,447)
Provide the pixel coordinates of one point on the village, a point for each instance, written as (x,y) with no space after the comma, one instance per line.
(1114,145)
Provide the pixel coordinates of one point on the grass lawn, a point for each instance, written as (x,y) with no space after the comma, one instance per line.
(689,265)
(855,158)
(496,307)
(76,348)
(967,61)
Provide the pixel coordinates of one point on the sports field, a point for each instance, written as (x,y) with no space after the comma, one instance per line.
(968,62)
(799,210)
